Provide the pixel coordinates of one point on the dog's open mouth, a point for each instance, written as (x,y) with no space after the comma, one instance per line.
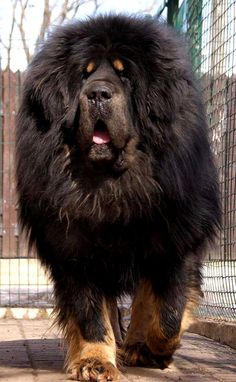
(100,133)
(103,153)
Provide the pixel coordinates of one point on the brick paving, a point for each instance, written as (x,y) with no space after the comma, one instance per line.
(30,351)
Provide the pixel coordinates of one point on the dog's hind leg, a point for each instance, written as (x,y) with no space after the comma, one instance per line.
(157,323)
(116,321)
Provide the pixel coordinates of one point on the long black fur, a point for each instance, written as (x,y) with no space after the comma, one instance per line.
(100,232)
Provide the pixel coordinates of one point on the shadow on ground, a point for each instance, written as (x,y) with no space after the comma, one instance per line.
(34,353)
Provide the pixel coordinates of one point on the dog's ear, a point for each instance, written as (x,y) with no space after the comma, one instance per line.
(49,100)
(165,98)
(171,80)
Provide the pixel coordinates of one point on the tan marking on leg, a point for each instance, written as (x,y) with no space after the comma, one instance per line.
(133,354)
(89,360)
(146,337)
(141,315)
(189,315)
(156,339)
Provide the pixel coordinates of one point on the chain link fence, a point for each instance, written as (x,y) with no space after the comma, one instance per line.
(210,26)
(23,282)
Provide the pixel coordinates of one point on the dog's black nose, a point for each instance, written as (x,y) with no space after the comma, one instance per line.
(99,93)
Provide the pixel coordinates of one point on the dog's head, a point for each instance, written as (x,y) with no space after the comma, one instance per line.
(110,84)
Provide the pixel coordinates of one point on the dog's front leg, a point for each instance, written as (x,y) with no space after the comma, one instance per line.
(91,343)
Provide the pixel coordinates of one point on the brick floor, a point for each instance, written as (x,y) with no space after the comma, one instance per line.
(32,352)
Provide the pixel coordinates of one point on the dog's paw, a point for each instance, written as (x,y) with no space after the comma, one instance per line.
(94,370)
(140,355)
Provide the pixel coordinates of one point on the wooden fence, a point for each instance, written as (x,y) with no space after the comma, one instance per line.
(12,242)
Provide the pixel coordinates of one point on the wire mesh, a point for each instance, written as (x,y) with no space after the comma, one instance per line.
(22,281)
(211,28)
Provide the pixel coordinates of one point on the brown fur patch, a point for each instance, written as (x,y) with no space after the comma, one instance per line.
(141,315)
(83,357)
(118,65)
(140,355)
(90,67)
(146,343)
(156,339)
(91,369)
(193,299)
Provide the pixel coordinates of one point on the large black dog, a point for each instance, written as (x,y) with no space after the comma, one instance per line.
(117,187)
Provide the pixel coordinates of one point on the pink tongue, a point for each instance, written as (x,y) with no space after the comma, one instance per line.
(101,137)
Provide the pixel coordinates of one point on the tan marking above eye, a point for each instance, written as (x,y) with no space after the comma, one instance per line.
(118,65)
(90,67)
